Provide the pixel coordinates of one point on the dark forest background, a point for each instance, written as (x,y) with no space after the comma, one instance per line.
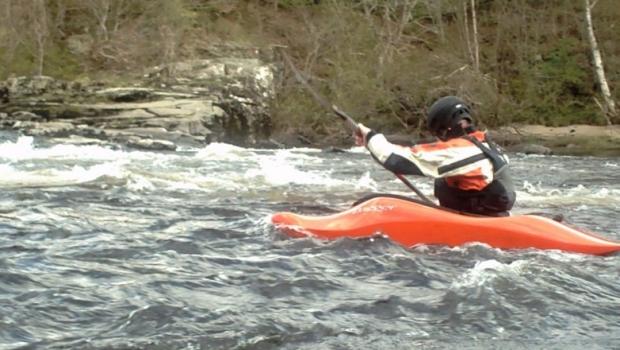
(516,61)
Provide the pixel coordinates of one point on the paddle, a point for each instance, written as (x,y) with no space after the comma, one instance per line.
(350,122)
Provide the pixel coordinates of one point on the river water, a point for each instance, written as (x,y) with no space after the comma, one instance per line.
(104,248)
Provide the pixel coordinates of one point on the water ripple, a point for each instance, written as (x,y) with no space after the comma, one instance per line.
(175,251)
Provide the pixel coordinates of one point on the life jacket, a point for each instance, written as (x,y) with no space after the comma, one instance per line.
(495,199)
(460,161)
(469,175)
(497,159)
(458,172)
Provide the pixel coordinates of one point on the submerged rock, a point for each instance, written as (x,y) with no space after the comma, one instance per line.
(50,129)
(152,145)
(530,148)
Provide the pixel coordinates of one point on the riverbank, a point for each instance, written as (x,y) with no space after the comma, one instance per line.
(231,105)
(565,140)
(589,140)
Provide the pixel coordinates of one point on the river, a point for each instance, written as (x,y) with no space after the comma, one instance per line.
(105,248)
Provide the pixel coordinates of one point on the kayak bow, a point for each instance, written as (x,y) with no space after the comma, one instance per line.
(410,223)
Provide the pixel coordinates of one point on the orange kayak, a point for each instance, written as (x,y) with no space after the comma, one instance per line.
(411,223)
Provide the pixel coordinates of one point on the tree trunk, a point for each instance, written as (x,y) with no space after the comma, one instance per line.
(474,25)
(466,25)
(434,9)
(609,109)
(40,33)
(101,10)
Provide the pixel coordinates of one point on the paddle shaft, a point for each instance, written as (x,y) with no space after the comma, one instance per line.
(350,122)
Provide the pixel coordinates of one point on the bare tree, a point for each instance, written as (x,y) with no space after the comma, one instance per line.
(26,30)
(609,108)
(109,16)
(466,27)
(41,32)
(471,42)
(434,8)
(474,25)
(100,9)
(394,27)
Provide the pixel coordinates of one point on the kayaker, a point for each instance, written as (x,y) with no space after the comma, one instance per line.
(471,173)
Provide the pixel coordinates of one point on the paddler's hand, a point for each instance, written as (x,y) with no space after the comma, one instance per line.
(360,134)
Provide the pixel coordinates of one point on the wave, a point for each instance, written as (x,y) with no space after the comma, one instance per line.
(225,167)
(486,271)
(15,178)
(24,148)
(575,195)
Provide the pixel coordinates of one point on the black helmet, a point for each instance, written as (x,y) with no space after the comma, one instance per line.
(445,114)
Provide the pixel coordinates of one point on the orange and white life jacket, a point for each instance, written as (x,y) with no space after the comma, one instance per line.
(466,163)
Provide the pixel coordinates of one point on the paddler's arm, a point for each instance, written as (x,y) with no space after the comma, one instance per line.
(393,157)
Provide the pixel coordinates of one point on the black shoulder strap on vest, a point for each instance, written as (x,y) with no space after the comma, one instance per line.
(494,155)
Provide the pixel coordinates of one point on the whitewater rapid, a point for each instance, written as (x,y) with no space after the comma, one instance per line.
(106,248)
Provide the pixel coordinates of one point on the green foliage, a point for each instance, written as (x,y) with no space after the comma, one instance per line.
(24,66)
(58,62)
(558,87)
(295,3)
(61,63)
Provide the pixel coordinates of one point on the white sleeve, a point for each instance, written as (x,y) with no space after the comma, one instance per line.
(401,159)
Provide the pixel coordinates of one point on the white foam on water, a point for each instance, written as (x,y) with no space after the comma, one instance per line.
(24,148)
(58,177)
(281,174)
(187,180)
(583,207)
(279,170)
(579,194)
(138,183)
(17,149)
(563,256)
(485,271)
(304,150)
(246,168)
(358,150)
(223,151)
(67,165)
(298,156)
(260,168)
(366,182)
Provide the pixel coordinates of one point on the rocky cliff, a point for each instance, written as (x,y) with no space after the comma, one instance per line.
(193,102)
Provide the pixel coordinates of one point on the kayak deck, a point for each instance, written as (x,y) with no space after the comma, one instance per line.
(410,223)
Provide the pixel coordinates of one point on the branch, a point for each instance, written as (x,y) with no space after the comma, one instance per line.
(603,109)
(456,71)
(593,4)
